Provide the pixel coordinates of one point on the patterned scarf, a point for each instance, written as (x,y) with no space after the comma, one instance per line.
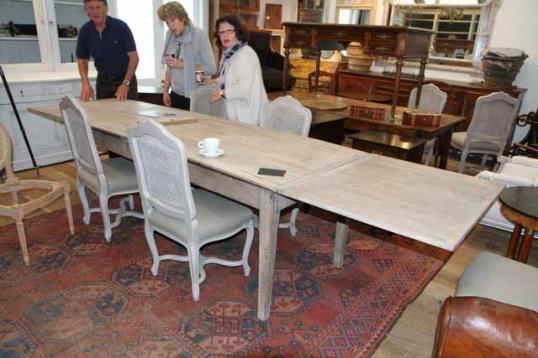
(225,61)
(190,48)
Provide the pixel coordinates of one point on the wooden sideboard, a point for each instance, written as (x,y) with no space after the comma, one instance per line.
(461,95)
(387,41)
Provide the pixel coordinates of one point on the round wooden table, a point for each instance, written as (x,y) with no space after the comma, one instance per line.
(520,205)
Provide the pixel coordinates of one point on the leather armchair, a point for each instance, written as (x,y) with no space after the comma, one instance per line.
(494,313)
(481,327)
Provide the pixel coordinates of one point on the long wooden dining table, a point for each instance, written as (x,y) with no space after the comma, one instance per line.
(443,132)
(423,203)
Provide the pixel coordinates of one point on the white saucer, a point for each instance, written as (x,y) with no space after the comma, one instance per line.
(217,154)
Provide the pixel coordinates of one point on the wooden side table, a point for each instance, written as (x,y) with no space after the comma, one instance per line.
(520,206)
(392,145)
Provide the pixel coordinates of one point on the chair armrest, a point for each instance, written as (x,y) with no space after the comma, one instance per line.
(480,327)
(507,180)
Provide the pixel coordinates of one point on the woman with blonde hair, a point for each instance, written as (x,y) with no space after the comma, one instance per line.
(186,51)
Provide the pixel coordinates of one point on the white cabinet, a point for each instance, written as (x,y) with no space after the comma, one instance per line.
(41,35)
(48,139)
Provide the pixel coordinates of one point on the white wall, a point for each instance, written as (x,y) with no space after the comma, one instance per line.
(516,27)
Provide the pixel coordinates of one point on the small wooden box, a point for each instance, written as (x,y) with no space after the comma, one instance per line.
(422,119)
(367,112)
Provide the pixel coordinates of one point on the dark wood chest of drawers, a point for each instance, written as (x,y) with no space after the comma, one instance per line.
(461,95)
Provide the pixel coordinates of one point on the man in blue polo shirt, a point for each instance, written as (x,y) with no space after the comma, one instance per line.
(110,43)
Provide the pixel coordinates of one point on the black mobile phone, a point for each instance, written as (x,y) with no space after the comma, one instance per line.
(271,171)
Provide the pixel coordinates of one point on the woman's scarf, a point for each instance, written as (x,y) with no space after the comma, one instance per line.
(225,61)
(190,48)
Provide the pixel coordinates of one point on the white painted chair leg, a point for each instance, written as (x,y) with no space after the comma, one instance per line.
(194,264)
(248,243)
(293,220)
(81,189)
(103,204)
(150,239)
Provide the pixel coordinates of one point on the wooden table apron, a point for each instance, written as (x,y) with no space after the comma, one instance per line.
(402,197)
(443,133)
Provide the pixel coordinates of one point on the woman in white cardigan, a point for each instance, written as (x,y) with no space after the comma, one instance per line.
(240,76)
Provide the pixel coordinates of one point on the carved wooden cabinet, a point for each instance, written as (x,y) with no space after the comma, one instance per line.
(461,95)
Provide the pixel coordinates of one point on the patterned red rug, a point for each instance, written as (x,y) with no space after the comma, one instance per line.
(81,296)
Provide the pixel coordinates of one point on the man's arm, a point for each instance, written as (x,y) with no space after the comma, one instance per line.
(86,92)
(123,89)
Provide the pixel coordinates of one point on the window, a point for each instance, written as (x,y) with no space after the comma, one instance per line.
(461,27)
(351,16)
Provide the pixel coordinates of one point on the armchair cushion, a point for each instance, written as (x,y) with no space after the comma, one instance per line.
(501,279)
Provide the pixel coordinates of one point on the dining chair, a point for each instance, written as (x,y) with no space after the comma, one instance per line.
(192,218)
(200,101)
(106,179)
(491,125)
(288,115)
(432,99)
(326,82)
(18,209)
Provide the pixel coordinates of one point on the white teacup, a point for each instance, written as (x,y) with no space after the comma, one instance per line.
(209,145)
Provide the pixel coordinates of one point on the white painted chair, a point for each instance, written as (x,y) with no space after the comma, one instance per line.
(108,178)
(200,101)
(286,114)
(432,99)
(515,171)
(190,218)
(492,122)
(18,209)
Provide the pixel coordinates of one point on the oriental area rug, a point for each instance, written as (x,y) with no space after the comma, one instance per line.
(83,297)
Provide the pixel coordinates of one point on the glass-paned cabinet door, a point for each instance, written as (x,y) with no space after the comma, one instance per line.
(70,16)
(18,32)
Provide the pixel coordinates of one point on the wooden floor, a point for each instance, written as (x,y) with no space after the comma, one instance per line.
(414,332)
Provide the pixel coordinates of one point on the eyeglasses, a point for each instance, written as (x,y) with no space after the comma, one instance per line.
(226,32)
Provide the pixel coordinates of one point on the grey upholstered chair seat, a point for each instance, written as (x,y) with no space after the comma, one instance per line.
(501,279)
(458,141)
(119,173)
(215,214)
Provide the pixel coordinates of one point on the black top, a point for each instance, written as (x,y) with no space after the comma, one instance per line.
(109,48)
(523,199)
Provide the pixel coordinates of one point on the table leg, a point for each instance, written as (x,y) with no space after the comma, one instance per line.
(340,244)
(526,245)
(268,235)
(443,146)
(516,234)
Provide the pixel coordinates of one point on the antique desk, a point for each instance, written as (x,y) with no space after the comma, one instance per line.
(387,41)
(399,196)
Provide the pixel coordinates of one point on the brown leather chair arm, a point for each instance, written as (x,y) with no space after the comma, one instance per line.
(480,327)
